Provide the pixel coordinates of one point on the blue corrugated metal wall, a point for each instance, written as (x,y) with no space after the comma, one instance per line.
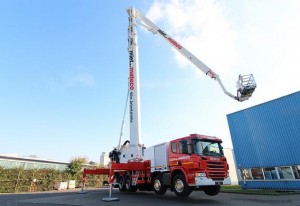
(267,135)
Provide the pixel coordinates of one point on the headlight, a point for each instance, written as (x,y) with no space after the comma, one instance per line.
(202,174)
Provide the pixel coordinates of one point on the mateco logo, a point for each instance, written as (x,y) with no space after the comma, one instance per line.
(131,79)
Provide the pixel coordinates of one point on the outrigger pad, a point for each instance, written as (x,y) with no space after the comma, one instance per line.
(110,199)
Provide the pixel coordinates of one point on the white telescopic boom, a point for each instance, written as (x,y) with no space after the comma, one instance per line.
(134,150)
(243,92)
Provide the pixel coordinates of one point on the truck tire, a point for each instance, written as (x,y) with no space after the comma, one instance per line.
(128,185)
(180,187)
(122,186)
(157,185)
(212,190)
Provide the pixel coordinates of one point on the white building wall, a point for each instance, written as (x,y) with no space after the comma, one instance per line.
(232,168)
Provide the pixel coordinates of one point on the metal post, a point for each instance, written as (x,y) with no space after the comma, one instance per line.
(83,187)
(110,198)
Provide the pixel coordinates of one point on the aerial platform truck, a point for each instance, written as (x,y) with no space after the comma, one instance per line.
(194,162)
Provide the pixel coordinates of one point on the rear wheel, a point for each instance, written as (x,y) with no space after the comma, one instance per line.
(157,185)
(180,187)
(212,190)
(128,184)
(122,186)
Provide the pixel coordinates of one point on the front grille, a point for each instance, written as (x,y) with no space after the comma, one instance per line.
(215,165)
(216,170)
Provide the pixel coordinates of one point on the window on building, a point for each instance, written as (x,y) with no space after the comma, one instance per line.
(12,164)
(270,173)
(6,164)
(42,166)
(285,173)
(30,165)
(174,149)
(296,171)
(246,174)
(20,164)
(257,174)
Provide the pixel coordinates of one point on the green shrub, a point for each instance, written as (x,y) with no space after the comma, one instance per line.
(20,180)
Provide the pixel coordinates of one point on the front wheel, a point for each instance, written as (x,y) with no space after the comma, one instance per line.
(212,190)
(157,185)
(180,187)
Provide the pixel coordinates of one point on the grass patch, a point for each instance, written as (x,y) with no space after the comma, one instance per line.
(238,190)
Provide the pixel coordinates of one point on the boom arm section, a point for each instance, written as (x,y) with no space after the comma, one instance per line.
(246,83)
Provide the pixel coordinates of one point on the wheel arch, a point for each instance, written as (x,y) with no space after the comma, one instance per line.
(178,171)
(156,173)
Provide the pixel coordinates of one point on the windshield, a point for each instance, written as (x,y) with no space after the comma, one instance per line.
(202,147)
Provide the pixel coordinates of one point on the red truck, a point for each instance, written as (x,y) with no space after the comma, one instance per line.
(195,162)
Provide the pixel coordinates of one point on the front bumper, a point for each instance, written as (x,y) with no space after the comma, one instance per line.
(204,181)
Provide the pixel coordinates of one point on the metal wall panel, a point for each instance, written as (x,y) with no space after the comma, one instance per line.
(291,185)
(268,134)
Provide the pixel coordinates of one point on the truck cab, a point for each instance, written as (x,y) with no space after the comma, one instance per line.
(197,162)
(194,162)
(201,158)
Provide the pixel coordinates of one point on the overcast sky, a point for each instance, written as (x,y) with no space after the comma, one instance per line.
(64,69)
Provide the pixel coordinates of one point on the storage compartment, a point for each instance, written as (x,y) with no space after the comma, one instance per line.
(158,155)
